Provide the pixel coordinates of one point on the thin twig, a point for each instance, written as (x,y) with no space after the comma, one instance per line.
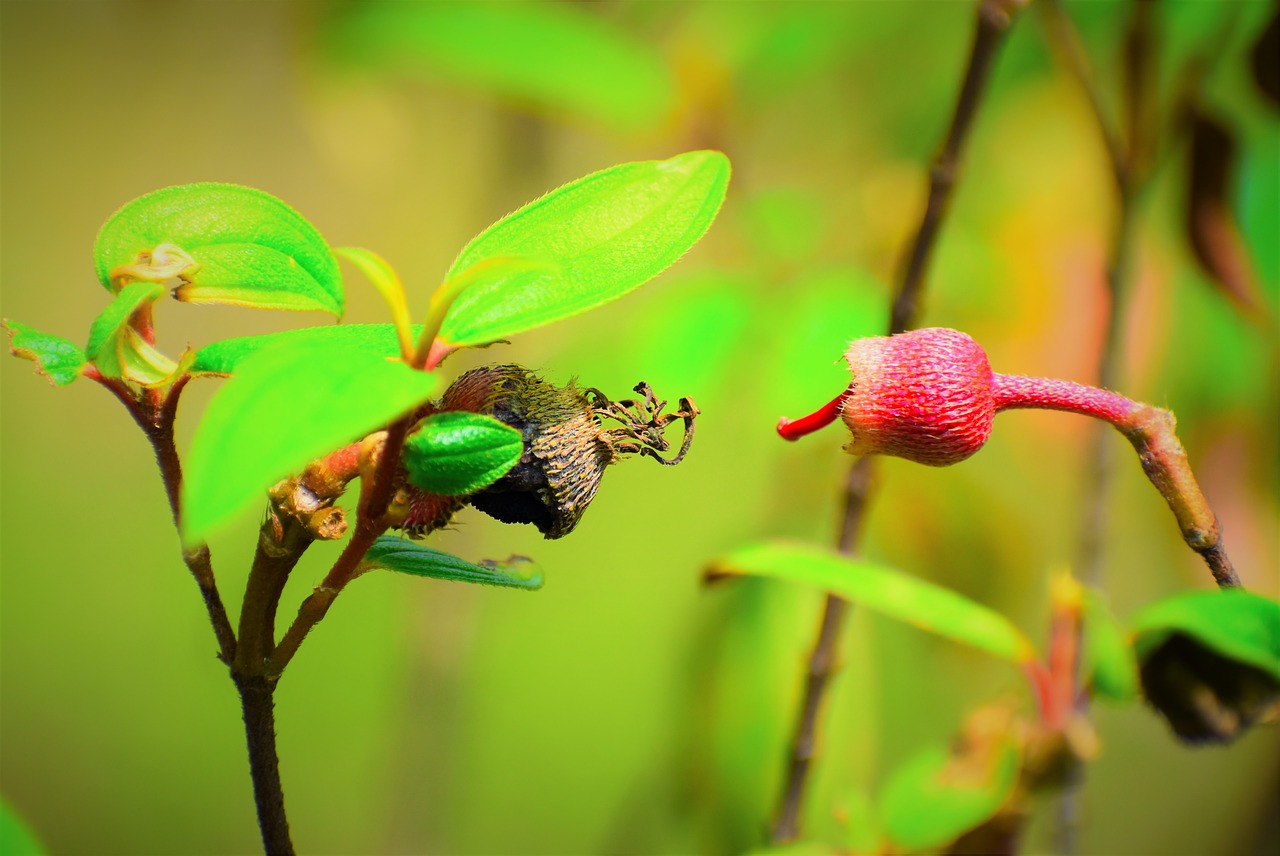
(993,20)
(1127,161)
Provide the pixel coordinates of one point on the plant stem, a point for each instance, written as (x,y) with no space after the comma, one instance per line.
(376,493)
(993,19)
(257,702)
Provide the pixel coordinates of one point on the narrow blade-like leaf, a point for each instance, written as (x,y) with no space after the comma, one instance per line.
(406,557)
(248,247)
(608,233)
(285,407)
(459,453)
(57,359)
(378,340)
(892,593)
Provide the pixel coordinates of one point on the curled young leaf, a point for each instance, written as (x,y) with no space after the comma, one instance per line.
(406,557)
(286,406)
(117,349)
(890,592)
(57,359)
(226,244)
(458,453)
(605,234)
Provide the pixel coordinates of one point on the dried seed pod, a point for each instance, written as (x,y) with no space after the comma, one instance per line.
(566,446)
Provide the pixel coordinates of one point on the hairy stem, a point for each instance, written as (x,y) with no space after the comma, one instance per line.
(258,704)
(993,20)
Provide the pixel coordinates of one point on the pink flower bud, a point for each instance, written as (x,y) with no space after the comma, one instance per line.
(926,396)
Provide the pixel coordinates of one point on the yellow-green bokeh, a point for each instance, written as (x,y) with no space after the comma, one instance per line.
(622,709)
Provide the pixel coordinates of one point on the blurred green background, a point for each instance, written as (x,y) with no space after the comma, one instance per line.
(622,709)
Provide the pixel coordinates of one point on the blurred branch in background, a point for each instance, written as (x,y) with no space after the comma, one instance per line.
(993,19)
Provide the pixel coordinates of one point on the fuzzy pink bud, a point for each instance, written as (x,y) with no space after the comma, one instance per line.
(926,396)
(930,396)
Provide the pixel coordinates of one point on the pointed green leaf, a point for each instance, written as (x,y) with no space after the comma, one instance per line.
(111,349)
(377,340)
(890,592)
(459,453)
(245,246)
(284,407)
(388,284)
(1109,662)
(57,359)
(406,557)
(563,56)
(608,233)
(1238,625)
(932,800)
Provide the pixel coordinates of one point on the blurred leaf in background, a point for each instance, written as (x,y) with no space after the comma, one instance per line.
(623,709)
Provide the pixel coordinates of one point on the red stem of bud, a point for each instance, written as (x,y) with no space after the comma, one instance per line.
(794,429)
(1012,392)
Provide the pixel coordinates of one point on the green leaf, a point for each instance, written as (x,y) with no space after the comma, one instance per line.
(245,247)
(378,340)
(890,592)
(1239,625)
(935,798)
(406,557)
(57,359)
(116,349)
(459,453)
(388,284)
(608,233)
(16,837)
(1109,661)
(566,57)
(284,407)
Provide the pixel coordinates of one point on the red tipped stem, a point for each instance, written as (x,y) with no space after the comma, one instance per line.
(1014,391)
(794,429)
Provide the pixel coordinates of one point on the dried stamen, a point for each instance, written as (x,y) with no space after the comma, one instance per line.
(642,423)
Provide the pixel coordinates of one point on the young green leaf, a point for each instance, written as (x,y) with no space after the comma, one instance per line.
(1238,625)
(377,340)
(57,359)
(459,453)
(398,554)
(388,284)
(609,233)
(284,407)
(1109,662)
(116,349)
(563,56)
(245,247)
(935,798)
(893,593)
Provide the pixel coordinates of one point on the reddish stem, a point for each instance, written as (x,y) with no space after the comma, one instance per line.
(794,429)
(1012,392)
